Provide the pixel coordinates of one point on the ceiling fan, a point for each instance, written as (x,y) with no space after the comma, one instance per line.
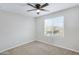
(38,7)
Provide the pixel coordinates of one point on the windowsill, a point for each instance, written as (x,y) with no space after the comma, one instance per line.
(54,36)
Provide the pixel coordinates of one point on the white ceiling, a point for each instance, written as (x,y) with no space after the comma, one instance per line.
(22,8)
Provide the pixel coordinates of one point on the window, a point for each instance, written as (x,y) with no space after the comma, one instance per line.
(54,26)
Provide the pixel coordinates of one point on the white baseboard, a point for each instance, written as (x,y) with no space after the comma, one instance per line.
(60,46)
(39,41)
(16,46)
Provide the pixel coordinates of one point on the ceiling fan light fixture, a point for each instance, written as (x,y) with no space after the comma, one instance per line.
(38,11)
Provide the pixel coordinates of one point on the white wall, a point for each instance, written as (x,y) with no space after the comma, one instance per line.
(15,29)
(71,24)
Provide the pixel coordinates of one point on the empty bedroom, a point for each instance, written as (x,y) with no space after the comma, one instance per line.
(39,28)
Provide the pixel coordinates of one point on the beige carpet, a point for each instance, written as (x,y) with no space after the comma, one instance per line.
(38,48)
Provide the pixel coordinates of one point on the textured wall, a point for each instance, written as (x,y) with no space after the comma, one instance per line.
(71,30)
(15,29)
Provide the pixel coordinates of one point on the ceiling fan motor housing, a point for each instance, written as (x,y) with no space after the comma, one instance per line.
(38,6)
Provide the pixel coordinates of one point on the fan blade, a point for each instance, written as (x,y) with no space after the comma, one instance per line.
(30,5)
(46,4)
(44,10)
(32,10)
